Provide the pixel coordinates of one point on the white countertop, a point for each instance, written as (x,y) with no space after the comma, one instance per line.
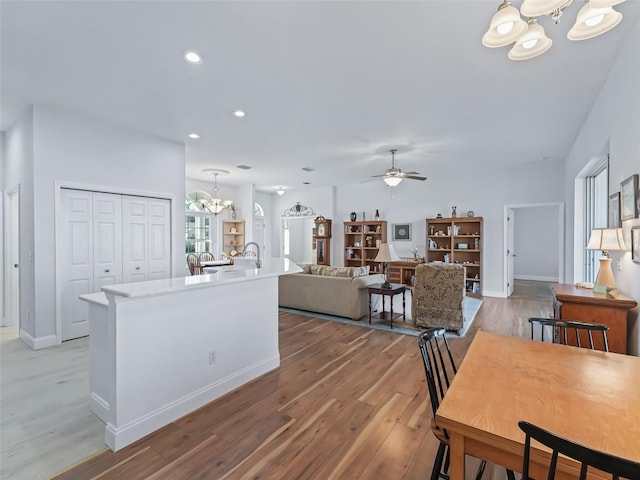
(272,267)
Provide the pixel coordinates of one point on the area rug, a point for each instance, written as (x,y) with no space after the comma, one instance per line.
(470,307)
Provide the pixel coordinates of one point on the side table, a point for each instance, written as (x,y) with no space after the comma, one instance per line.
(396,288)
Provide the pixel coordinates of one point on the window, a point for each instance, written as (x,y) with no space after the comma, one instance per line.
(595,213)
(198,237)
(258,211)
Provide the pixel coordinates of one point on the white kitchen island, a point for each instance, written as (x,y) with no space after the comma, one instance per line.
(163,348)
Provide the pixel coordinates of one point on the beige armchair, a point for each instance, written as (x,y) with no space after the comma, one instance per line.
(438,296)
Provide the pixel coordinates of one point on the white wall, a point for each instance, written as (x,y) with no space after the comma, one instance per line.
(484,190)
(613,120)
(70,149)
(3,304)
(536,243)
(19,171)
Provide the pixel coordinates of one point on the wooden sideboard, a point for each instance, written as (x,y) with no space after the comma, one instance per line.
(573,303)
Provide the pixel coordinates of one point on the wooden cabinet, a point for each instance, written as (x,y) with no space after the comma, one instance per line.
(233,237)
(403,272)
(361,243)
(585,305)
(457,240)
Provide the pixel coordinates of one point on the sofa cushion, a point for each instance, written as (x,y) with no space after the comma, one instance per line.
(346,272)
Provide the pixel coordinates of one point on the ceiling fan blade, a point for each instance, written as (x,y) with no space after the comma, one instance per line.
(379,176)
(413,177)
(369,180)
(411,173)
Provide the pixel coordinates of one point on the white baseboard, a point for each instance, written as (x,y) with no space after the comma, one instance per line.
(493,293)
(535,278)
(36,343)
(99,406)
(117,438)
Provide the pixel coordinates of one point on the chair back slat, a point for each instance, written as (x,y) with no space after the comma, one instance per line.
(560,328)
(439,365)
(588,457)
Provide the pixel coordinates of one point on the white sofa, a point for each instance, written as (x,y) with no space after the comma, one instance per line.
(340,291)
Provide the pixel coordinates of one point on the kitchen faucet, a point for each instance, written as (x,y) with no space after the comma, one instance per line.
(258,262)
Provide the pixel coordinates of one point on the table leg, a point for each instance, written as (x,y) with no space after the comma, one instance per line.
(404,311)
(382,314)
(391,313)
(369,308)
(456,456)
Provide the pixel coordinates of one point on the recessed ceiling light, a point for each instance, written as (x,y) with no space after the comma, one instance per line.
(280,191)
(239,113)
(194,135)
(306,183)
(192,57)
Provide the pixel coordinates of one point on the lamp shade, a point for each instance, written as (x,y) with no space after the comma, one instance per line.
(531,44)
(592,21)
(505,28)
(535,8)
(392,181)
(606,239)
(386,253)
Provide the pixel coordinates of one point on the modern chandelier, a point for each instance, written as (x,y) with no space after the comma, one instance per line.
(215,204)
(528,37)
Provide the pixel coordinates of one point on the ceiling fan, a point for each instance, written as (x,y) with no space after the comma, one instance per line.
(393,176)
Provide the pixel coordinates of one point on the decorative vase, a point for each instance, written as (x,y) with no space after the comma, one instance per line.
(353,216)
(453,212)
(377,215)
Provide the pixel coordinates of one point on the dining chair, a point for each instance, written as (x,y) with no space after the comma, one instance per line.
(207,257)
(440,369)
(616,466)
(193,262)
(560,328)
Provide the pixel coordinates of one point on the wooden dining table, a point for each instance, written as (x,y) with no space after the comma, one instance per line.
(590,397)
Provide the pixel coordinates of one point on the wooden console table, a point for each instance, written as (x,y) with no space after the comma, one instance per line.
(573,303)
(402,272)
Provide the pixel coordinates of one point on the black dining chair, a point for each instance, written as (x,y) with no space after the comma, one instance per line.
(616,466)
(440,368)
(560,328)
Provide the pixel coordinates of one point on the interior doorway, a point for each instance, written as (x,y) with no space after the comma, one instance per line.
(12,257)
(533,243)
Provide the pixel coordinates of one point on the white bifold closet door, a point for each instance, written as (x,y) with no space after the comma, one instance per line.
(109,239)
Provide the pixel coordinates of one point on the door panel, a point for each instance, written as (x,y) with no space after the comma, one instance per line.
(134,239)
(159,239)
(510,252)
(107,236)
(77,262)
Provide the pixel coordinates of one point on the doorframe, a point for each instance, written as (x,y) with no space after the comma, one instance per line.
(58,233)
(561,237)
(8,231)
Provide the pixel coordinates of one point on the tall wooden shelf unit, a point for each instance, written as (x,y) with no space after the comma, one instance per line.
(458,240)
(233,237)
(360,243)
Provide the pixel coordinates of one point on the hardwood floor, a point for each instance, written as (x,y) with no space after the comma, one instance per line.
(347,402)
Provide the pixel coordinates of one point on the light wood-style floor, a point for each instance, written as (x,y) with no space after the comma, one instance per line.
(347,402)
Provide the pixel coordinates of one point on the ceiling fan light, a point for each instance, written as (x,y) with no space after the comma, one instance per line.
(506,26)
(592,21)
(531,44)
(535,8)
(392,181)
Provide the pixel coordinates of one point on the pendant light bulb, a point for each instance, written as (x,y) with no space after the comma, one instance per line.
(505,27)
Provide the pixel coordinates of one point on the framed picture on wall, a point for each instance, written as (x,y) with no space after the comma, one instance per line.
(614,210)
(635,244)
(629,198)
(402,231)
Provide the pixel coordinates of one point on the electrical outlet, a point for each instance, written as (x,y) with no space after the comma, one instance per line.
(212,357)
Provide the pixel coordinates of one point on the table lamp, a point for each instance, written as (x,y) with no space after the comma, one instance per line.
(605,239)
(386,254)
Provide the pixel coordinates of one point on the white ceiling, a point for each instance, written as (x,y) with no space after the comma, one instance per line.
(327,85)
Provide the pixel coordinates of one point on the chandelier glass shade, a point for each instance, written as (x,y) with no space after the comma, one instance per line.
(215,204)
(529,39)
(505,28)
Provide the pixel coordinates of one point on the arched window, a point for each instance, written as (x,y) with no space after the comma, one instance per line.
(258,211)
